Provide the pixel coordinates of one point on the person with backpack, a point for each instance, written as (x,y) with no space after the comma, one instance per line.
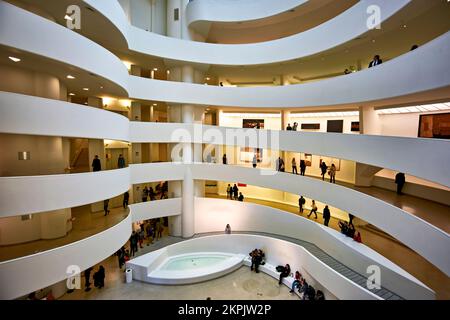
(301,203)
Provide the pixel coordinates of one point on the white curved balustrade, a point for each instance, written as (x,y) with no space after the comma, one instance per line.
(394,153)
(391,80)
(59,191)
(343,28)
(30,273)
(236,11)
(213,214)
(155,209)
(23,114)
(432,245)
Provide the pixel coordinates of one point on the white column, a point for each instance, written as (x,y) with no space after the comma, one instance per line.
(173,26)
(188,214)
(369,121)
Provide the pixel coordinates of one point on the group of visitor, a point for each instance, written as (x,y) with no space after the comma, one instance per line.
(99,278)
(349,230)
(257,256)
(160,192)
(233,193)
(293,128)
(307,292)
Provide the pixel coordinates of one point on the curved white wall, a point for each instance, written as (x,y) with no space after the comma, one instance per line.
(236,11)
(214,214)
(19,30)
(391,79)
(368,149)
(345,27)
(432,245)
(22,114)
(155,209)
(27,274)
(32,194)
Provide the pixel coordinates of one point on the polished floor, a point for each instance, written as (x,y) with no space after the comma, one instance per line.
(241,284)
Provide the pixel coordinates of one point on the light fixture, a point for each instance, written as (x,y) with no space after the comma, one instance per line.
(71,94)
(168,72)
(67,17)
(208,78)
(14,59)
(155,104)
(404,26)
(101,87)
(155,69)
(86,89)
(70,77)
(373,40)
(85,103)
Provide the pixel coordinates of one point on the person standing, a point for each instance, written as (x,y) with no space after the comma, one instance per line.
(326,216)
(332,173)
(294,166)
(241,197)
(323,168)
(151,194)
(302,167)
(227,229)
(235,192)
(99,278)
(126,198)
(313,209)
(400,181)
(350,218)
(133,243)
(87,276)
(301,202)
(282,167)
(106,206)
(96,164)
(254,161)
(229,192)
(224,159)
(376,61)
(294,127)
(289,128)
(121,162)
(144,194)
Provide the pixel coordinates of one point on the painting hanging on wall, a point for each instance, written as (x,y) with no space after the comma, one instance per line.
(253,123)
(307,157)
(246,153)
(434,126)
(354,126)
(330,161)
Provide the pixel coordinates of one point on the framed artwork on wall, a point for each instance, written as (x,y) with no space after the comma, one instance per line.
(329,161)
(253,123)
(335,126)
(354,126)
(307,157)
(434,126)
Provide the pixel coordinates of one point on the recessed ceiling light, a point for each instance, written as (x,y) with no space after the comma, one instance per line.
(86,89)
(70,77)
(373,40)
(208,78)
(71,94)
(101,87)
(14,59)
(404,26)
(85,103)
(67,17)
(155,69)
(155,104)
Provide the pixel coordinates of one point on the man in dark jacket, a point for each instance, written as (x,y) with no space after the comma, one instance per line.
(96,165)
(326,216)
(400,181)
